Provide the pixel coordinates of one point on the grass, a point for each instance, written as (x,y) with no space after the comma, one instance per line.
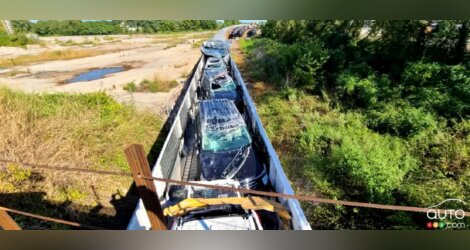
(50,56)
(172,40)
(153,85)
(180,65)
(74,130)
(130,86)
(71,42)
(184,74)
(16,40)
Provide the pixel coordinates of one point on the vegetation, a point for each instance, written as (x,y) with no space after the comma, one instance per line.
(367,111)
(154,85)
(77,27)
(72,130)
(16,40)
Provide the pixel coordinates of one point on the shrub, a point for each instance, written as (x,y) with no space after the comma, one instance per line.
(369,165)
(287,65)
(401,119)
(156,84)
(131,87)
(438,87)
(355,91)
(19,39)
(311,56)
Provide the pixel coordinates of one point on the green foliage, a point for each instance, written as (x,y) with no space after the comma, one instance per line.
(394,124)
(77,27)
(130,86)
(15,174)
(18,39)
(401,119)
(310,59)
(156,84)
(288,65)
(357,92)
(442,88)
(230,23)
(365,163)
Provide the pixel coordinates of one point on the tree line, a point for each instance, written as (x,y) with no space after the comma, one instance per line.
(77,27)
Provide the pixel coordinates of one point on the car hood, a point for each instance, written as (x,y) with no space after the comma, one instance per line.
(213,164)
(225,94)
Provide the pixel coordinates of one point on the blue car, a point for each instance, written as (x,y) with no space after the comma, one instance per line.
(216,48)
(225,146)
(217,83)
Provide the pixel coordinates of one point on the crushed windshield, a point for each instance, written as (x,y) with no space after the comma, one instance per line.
(222,126)
(222,83)
(215,48)
(225,139)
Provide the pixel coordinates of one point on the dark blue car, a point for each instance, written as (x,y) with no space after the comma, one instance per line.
(217,83)
(225,146)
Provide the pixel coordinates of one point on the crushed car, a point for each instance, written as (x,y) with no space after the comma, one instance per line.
(216,48)
(225,146)
(220,86)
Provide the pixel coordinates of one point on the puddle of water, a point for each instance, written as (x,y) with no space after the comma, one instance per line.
(95,74)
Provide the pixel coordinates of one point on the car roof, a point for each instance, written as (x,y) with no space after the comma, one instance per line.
(219,115)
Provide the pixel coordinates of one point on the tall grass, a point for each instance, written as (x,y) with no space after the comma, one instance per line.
(75,130)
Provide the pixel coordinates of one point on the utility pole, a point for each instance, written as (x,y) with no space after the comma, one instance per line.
(137,160)
(7,223)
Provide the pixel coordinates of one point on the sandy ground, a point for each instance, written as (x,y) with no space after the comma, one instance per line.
(144,55)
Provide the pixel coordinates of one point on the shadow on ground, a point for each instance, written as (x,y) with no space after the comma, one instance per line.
(98,216)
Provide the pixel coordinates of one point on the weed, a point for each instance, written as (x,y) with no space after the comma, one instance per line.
(17,173)
(184,74)
(73,194)
(131,87)
(156,84)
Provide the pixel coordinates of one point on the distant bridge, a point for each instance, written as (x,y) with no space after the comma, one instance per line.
(8,27)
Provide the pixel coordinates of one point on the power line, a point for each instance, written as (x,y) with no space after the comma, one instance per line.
(243,191)
(82,170)
(299,197)
(46,218)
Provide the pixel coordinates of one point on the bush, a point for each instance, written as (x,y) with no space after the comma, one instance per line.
(355,91)
(19,39)
(309,62)
(287,65)
(369,165)
(156,84)
(438,87)
(401,119)
(131,87)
